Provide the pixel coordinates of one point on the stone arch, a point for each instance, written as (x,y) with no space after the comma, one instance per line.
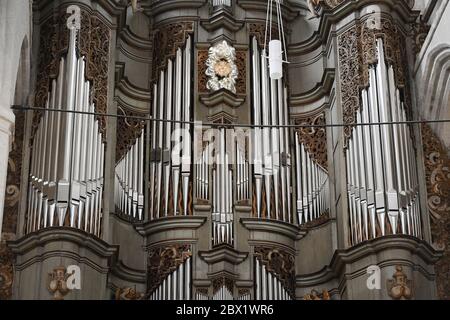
(434,95)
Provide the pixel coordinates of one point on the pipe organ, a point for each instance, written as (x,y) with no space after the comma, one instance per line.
(170,145)
(66,173)
(129,182)
(382,188)
(312,185)
(272,159)
(267,285)
(176,286)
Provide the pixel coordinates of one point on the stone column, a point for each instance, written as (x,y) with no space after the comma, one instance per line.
(14,27)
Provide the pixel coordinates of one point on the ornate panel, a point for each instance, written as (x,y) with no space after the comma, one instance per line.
(240,61)
(128,130)
(169,38)
(281,263)
(314,138)
(163,260)
(437,170)
(357,51)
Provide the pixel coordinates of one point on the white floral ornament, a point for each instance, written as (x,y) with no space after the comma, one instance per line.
(222,70)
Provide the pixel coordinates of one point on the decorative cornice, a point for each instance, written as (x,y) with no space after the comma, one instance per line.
(339,12)
(160,6)
(60,234)
(222,19)
(170,223)
(222,97)
(273,226)
(123,272)
(323,88)
(223,253)
(341,258)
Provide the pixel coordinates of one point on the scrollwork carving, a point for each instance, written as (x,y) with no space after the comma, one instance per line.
(281,263)
(167,40)
(314,138)
(437,172)
(163,260)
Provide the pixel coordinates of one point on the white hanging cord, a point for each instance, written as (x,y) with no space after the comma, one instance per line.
(281,28)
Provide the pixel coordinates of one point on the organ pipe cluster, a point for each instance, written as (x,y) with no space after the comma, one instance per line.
(268,286)
(223,293)
(170,162)
(176,286)
(272,159)
(129,182)
(312,185)
(381,168)
(66,174)
(222,202)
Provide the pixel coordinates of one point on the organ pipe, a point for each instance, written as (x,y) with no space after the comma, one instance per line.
(66,172)
(381,171)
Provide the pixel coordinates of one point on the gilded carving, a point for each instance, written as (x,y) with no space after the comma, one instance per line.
(314,138)
(128,294)
(315,295)
(258,30)
(57,284)
(168,39)
(163,260)
(128,130)
(419,32)
(281,264)
(6,272)
(437,171)
(400,287)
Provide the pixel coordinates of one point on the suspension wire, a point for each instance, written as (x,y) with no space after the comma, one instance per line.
(230,125)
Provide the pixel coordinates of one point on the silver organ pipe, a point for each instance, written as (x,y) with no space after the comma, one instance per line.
(381,171)
(216,3)
(223,293)
(66,172)
(268,286)
(271,152)
(170,161)
(222,201)
(312,185)
(201,296)
(129,181)
(176,286)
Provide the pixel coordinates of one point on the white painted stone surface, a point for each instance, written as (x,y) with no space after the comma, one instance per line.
(14,28)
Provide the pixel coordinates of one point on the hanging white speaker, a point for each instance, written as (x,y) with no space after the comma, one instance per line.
(275,60)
